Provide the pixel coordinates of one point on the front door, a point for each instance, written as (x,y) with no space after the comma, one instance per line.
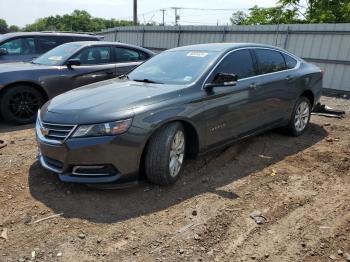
(233,111)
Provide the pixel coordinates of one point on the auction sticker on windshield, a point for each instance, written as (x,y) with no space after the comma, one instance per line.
(55,58)
(197,54)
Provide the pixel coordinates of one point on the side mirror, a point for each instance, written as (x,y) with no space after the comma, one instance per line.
(221,79)
(73,62)
(3,51)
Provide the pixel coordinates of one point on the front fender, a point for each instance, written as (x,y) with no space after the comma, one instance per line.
(147,123)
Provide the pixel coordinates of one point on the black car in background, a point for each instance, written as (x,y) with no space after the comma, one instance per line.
(25,46)
(25,87)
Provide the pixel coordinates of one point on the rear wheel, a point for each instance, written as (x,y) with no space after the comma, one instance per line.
(300,118)
(165,154)
(19,104)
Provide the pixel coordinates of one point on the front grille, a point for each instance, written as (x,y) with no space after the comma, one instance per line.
(56,132)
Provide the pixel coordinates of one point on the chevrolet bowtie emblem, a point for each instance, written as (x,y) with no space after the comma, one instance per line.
(44,131)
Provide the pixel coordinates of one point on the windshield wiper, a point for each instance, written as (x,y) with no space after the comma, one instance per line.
(147,81)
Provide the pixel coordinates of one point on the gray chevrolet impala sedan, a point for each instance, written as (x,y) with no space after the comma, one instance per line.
(179,104)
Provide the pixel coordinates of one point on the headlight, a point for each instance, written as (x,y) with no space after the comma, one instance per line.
(106,129)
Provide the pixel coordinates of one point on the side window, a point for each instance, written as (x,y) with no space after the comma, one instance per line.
(84,38)
(239,63)
(65,39)
(47,43)
(290,61)
(20,46)
(129,55)
(269,61)
(94,55)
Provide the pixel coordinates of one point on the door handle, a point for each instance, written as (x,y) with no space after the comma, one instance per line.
(289,78)
(253,86)
(109,73)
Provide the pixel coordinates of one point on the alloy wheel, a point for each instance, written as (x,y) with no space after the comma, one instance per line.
(302,115)
(24,105)
(177,153)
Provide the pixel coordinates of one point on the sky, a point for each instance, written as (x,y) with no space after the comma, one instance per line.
(22,12)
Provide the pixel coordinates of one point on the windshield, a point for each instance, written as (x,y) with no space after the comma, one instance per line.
(57,55)
(173,67)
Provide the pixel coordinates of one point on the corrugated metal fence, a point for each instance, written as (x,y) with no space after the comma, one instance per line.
(327,45)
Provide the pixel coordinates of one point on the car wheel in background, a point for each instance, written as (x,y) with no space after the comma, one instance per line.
(165,154)
(300,118)
(19,104)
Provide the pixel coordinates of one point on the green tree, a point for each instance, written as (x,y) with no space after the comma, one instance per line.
(78,21)
(265,16)
(238,18)
(3,26)
(13,28)
(323,11)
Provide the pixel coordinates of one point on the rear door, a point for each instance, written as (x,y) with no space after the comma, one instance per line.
(96,65)
(276,83)
(20,49)
(127,59)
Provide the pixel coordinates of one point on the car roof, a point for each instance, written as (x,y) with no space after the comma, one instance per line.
(220,47)
(17,34)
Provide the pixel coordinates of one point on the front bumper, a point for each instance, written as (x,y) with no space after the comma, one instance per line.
(93,160)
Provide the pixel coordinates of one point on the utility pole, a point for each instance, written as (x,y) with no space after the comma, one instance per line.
(177,17)
(135,12)
(163,11)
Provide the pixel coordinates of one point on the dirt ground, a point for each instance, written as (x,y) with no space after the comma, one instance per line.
(301,186)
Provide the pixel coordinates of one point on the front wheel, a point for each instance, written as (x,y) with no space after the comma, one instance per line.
(165,154)
(300,118)
(19,104)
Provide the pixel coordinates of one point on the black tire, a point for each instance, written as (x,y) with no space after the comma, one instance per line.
(292,127)
(19,104)
(157,158)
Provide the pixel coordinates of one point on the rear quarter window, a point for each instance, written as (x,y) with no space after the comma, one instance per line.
(290,61)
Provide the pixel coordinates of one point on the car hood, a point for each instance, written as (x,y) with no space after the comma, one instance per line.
(20,66)
(105,101)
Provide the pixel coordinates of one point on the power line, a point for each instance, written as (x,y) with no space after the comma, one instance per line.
(209,9)
(141,14)
(199,22)
(203,15)
(177,10)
